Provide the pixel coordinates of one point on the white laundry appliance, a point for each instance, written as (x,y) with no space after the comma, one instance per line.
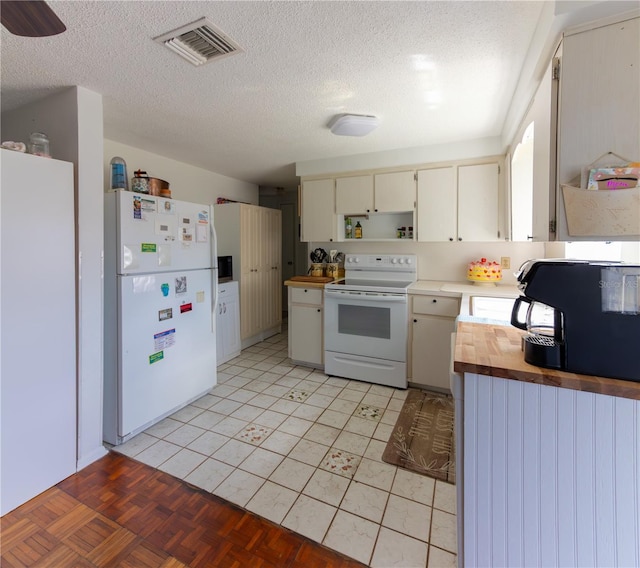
(160,297)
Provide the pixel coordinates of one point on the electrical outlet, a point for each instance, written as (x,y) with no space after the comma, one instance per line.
(505,261)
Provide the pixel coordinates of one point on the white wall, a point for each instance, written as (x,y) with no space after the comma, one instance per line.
(187,183)
(447,261)
(73,121)
(467,149)
(90,222)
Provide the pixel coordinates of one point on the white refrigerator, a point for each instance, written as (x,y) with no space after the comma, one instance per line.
(160,298)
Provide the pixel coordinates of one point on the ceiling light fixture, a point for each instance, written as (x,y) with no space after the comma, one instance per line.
(352,124)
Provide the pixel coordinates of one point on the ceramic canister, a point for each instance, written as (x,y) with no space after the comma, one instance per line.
(140,184)
(317,269)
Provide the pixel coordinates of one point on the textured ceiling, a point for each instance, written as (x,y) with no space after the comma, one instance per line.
(433,72)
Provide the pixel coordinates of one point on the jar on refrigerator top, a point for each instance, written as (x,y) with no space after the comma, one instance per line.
(140,182)
(39,144)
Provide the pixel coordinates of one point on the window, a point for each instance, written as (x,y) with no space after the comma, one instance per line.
(522,188)
(588,250)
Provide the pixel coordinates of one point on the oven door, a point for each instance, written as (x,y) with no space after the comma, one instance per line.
(366,324)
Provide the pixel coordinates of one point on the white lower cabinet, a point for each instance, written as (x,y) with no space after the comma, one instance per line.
(306,328)
(432,322)
(228,322)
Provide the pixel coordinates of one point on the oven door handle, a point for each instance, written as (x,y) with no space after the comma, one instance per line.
(373,296)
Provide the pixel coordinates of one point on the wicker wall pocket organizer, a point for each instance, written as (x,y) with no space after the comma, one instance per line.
(601,213)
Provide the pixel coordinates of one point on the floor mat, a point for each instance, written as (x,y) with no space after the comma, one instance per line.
(422,439)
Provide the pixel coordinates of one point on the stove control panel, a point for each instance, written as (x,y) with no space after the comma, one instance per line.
(385,262)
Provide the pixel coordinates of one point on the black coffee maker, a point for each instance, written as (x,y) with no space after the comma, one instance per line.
(582,316)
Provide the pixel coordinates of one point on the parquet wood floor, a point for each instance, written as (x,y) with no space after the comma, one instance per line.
(121,513)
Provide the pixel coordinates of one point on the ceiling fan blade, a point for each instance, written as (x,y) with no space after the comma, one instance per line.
(30,18)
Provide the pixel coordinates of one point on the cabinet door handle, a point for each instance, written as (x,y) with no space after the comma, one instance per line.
(305,290)
(376,210)
(225,307)
(451,238)
(415,321)
(434,300)
(319,310)
(368,210)
(459,238)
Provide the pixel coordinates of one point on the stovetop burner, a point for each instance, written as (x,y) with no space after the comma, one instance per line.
(377,273)
(360,284)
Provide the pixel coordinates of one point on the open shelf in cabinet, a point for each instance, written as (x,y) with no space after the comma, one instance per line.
(379,226)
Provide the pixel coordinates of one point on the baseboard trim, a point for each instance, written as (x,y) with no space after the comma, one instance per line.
(95,455)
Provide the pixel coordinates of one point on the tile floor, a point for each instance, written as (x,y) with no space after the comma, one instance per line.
(304,450)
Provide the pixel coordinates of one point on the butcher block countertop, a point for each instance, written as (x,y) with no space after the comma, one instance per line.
(495,350)
(308,281)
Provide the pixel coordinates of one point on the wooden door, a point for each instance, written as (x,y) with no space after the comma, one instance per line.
(250,251)
(272,280)
(289,238)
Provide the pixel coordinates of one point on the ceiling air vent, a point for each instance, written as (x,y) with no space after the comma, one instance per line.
(199,42)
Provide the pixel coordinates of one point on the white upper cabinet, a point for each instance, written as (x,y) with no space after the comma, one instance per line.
(354,195)
(437,207)
(395,192)
(598,113)
(478,190)
(459,203)
(317,212)
(392,192)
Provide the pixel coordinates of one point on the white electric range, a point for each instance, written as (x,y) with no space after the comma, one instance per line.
(366,319)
